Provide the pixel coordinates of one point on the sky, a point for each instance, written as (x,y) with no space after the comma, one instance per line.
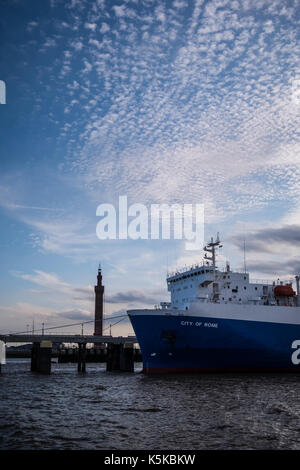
(175,101)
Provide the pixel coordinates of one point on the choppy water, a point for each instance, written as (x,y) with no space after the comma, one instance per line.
(100,410)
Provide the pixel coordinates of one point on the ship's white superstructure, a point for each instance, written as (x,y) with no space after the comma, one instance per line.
(207,283)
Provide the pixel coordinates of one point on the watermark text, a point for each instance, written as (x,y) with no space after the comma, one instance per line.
(159,221)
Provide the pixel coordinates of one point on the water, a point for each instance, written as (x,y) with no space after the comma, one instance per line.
(100,410)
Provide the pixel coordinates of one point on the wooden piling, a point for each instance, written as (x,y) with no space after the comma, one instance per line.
(81,366)
(120,357)
(83,361)
(34,353)
(113,357)
(126,357)
(79,358)
(41,357)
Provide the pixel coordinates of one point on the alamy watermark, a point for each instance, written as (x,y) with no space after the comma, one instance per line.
(158,221)
(2,92)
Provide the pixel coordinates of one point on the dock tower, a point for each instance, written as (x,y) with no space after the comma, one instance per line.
(99,293)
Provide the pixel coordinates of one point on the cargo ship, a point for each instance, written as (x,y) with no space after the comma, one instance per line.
(219,321)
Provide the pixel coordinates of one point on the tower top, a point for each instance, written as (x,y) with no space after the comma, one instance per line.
(99,276)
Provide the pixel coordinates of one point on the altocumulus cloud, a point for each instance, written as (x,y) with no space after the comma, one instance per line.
(76,314)
(288,267)
(263,239)
(134,296)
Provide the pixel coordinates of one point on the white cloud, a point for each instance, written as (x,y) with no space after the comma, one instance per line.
(32,25)
(78,45)
(104,28)
(209,134)
(91,26)
(50,42)
(120,10)
(180,4)
(87,67)
(44,279)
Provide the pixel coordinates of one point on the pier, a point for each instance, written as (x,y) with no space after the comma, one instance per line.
(119,350)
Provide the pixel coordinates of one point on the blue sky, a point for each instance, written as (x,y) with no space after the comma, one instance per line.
(163,101)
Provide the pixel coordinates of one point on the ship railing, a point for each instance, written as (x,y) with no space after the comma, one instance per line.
(185,269)
(261,281)
(277,282)
(193,267)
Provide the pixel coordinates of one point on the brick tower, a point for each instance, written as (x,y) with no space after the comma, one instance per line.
(99,292)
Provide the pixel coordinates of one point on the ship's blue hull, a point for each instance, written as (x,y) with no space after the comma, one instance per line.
(172,343)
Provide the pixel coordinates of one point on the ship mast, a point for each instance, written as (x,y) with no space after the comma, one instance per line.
(211,248)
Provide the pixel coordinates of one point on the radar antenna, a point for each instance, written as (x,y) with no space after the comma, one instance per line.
(211,248)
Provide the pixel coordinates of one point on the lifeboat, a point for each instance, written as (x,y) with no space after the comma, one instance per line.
(284,291)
